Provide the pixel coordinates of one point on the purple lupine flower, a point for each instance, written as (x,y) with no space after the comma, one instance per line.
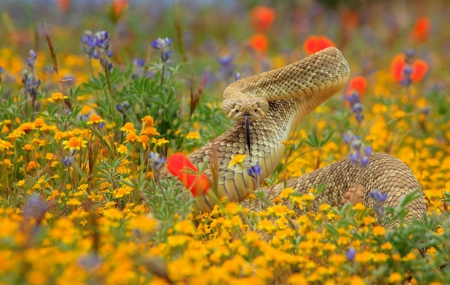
(139,62)
(356,144)
(89,262)
(368,150)
(31,60)
(350,254)
(162,44)
(354,157)
(364,161)
(378,200)
(377,196)
(348,137)
(254,171)
(67,161)
(407,70)
(409,53)
(156,161)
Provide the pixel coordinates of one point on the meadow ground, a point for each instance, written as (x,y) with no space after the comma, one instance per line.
(95,95)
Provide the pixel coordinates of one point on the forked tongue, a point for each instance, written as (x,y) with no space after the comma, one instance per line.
(247,133)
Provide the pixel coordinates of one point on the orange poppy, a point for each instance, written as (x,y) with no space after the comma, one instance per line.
(350,19)
(314,44)
(199,184)
(63,5)
(262,18)
(119,6)
(419,67)
(357,83)
(259,42)
(421,30)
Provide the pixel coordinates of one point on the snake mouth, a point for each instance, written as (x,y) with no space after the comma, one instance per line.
(247,132)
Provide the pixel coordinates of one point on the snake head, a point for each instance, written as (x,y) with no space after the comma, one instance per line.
(237,108)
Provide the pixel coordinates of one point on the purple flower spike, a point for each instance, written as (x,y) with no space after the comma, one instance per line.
(408,70)
(350,254)
(356,144)
(354,157)
(364,161)
(254,171)
(368,150)
(377,196)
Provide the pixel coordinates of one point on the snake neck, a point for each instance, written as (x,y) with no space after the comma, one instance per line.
(267,148)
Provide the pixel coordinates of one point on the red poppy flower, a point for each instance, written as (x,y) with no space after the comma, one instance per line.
(259,42)
(357,83)
(63,5)
(262,18)
(199,184)
(314,44)
(419,68)
(421,30)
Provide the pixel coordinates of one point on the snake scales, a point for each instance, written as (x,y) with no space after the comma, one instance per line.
(276,101)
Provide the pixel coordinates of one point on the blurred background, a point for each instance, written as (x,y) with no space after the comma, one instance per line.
(241,36)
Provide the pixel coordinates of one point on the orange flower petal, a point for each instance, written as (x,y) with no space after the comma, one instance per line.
(176,163)
(420,68)
(359,84)
(314,44)
(323,43)
(421,30)
(397,65)
(259,42)
(262,18)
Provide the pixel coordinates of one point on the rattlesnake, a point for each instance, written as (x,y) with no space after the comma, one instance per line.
(275,102)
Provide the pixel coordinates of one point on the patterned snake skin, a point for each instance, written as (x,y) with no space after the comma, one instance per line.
(292,92)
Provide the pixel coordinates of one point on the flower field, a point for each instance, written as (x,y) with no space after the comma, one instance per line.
(99,98)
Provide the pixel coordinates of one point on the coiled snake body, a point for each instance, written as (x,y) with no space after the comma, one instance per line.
(276,101)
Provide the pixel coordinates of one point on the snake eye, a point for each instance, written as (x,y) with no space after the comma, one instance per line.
(237,111)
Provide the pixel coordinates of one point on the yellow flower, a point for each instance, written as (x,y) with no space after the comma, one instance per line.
(39,122)
(161,141)
(74,143)
(324,207)
(31,165)
(386,246)
(148,121)
(150,131)
(288,143)
(28,147)
(337,258)
(20,183)
(359,206)
(144,140)
(399,114)
(395,277)
(379,231)
(95,119)
(193,136)
(286,192)
(122,149)
(380,257)
(237,159)
(131,137)
(74,202)
(57,97)
(356,280)
(128,128)
(26,128)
